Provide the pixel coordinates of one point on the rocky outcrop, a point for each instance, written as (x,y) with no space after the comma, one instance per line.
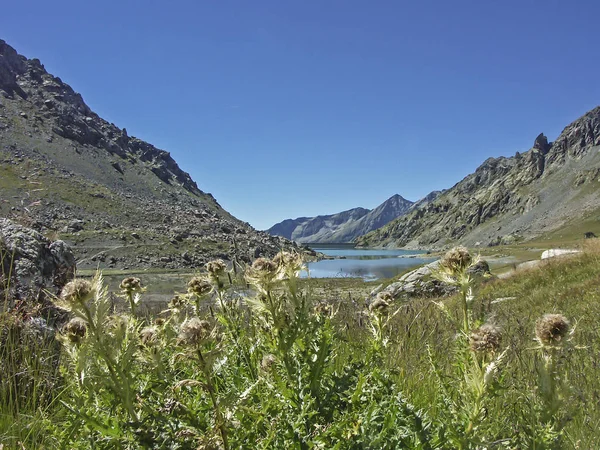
(341,227)
(508,199)
(33,267)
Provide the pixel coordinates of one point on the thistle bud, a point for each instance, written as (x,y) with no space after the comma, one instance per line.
(552,329)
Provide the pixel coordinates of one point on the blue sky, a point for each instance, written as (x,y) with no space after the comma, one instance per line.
(287,108)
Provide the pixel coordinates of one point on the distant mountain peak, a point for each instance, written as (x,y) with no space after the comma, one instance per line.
(341,227)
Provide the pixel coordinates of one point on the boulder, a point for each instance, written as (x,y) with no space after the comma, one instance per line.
(554,252)
(33,267)
(420,283)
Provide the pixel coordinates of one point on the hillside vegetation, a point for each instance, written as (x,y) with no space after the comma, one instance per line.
(287,364)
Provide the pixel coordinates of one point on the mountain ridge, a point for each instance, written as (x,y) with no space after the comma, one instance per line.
(509,199)
(118,200)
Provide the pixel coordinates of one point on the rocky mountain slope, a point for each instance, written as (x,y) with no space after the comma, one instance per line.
(341,227)
(118,200)
(547,188)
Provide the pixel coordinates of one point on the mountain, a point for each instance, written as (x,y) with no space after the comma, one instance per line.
(550,187)
(119,201)
(341,227)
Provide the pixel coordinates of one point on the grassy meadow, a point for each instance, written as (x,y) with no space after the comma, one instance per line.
(264,360)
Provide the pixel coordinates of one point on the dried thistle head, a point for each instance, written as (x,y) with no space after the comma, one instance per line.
(75,329)
(552,329)
(159,322)
(485,339)
(149,335)
(130,285)
(457,259)
(194,332)
(77,291)
(199,286)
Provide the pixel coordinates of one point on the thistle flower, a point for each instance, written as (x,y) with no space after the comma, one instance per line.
(381,303)
(149,336)
(194,331)
(130,285)
(485,339)
(262,273)
(268,361)
(216,268)
(199,286)
(552,329)
(77,291)
(289,264)
(75,330)
(457,259)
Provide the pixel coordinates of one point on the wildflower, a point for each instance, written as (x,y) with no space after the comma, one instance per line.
(194,331)
(77,291)
(381,303)
(552,329)
(268,361)
(457,259)
(199,286)
(485,339)
(149,335)
(75,330)
(130,285)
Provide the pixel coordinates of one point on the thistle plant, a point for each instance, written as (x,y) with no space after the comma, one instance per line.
(380,316)
(478,358)
(131,288)
(553,333)
(200,339)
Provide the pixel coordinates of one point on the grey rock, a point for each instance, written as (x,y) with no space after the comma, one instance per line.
(37,266)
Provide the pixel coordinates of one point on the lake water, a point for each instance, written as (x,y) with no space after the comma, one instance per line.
(369,264)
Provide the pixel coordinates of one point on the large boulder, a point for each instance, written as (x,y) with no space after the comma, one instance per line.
(32,266)
(421,283)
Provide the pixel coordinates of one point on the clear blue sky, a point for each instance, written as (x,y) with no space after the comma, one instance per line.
(288,108)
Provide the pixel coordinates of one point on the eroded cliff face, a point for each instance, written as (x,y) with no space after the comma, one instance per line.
(509,199)
(119,201)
